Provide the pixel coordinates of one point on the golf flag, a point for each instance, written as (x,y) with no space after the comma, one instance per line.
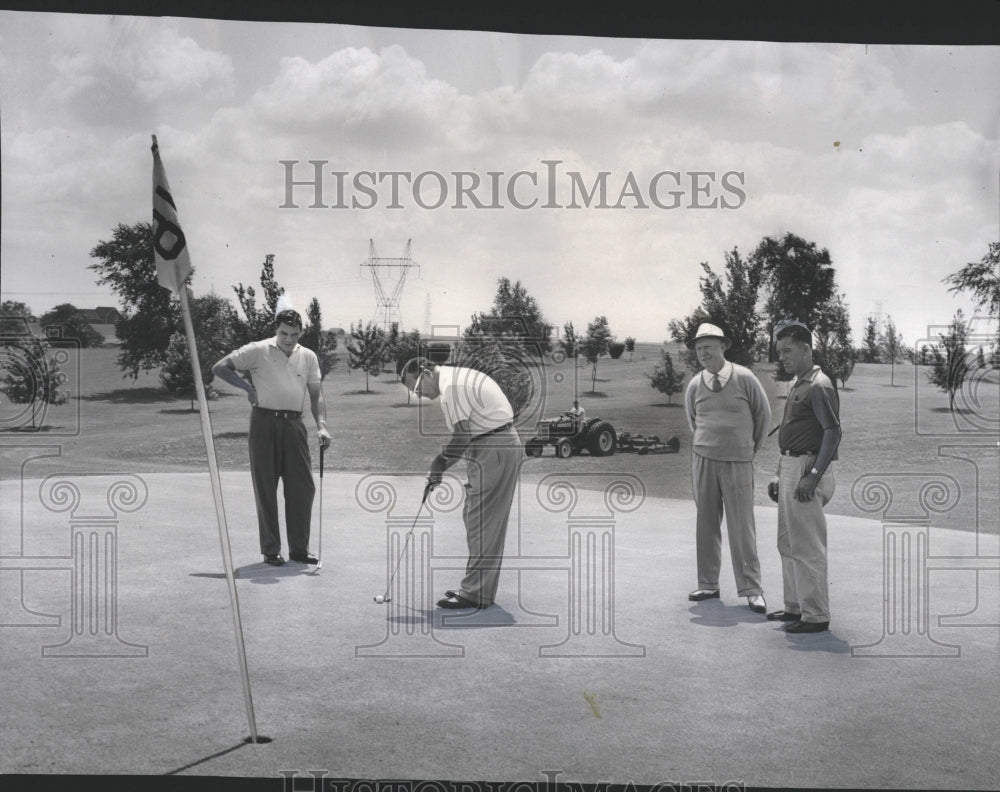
(173,263)
(173,266)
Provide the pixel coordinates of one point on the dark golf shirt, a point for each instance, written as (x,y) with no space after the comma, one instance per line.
(812,406)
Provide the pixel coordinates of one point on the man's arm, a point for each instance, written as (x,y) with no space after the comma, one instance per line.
(689,400)
(761,411)
(451,453)
(225,370)
(318,405)
(826,413)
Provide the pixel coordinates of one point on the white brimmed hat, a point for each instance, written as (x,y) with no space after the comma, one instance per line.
(284,303)
(707,330)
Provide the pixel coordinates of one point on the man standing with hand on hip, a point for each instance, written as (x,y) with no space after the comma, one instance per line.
(729,414)
(481,421)
(281,373)
(808,440)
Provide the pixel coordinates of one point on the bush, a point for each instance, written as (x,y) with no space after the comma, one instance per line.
(615,349)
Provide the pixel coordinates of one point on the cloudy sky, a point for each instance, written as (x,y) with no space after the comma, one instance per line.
(886,155)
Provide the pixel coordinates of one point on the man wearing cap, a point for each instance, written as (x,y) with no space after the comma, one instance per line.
(808,440)
(729,414)
(481,421)
(279,375)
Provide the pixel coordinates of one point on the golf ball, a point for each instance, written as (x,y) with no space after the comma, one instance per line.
(379,599)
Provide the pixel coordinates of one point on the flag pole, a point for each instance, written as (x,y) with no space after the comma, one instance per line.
(173,267)
(220,509)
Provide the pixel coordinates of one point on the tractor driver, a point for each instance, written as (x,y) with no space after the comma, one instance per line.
(578,415)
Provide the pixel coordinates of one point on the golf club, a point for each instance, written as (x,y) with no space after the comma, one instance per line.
(319,544)
(381,599)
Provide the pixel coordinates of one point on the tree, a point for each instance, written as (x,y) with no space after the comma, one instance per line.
(683,330)
(569,340)
(313,337)
(950,367)
(799,282)
(404,348)
(258,323)
(594,345)
(514,313)
(981,279)
(366,349)
(32,377)
(630,347)
(869,343)
(14,317)
(616,349)
(149,315)
(832,345)
(891,345)
(798,278)
(665,377)
(731,305)
(215,322)
(70,323)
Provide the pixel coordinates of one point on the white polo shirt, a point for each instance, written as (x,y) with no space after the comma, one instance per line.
(280,380)
(470,395)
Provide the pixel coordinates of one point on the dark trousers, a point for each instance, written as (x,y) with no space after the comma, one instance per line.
(279,449)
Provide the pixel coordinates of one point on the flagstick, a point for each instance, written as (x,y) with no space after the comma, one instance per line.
(220,509)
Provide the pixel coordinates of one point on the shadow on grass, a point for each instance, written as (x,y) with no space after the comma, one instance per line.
(661,404)
(179,411)
(956,411)
(360,393)
(32,429)
(144,395)
(595,395)
(231,435)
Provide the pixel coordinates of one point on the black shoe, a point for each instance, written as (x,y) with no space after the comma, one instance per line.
(274,559)
(305,558)
(454,601)
(807,627)
(703,594)
(783,616)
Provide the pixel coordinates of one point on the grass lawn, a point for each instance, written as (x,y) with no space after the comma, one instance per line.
(116,425)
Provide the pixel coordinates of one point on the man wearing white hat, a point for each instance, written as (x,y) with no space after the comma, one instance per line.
(729,414)
(281,373)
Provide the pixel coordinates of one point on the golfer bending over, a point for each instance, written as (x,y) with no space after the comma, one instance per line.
(281,374)
(481,422)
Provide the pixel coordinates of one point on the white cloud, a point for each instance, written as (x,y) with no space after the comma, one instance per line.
(110,68)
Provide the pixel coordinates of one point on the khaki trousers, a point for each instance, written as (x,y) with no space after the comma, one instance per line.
(493,464)
(725,487)
(802,540)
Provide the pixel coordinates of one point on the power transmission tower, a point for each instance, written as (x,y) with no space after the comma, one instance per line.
(389,276)
(878,315)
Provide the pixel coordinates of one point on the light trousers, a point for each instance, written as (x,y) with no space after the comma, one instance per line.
(802,540)
(725,488)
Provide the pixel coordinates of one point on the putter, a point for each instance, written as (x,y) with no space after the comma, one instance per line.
(382,599)
(319,545)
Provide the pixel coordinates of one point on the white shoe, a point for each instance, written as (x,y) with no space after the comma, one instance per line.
(756,603)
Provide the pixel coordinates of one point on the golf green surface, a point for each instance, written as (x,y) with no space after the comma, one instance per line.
(120,653)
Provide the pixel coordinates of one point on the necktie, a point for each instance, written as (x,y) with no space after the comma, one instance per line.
(716,385)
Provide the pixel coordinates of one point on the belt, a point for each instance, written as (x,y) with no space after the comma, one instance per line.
(798,453)
(492,431)
(291,415)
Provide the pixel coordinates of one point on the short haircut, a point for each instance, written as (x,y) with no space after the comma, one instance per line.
(796,333)
(414,366)
(288,317)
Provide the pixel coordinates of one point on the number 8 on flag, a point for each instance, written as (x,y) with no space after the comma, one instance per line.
(173,263)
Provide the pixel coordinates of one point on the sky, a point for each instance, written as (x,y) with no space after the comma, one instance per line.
(885,155)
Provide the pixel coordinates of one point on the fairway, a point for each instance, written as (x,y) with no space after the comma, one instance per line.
(906,430)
